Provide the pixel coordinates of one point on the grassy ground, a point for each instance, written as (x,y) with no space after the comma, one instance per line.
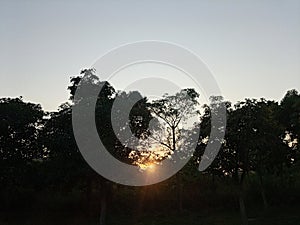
(275,216)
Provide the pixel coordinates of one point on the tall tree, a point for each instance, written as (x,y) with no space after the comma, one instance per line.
(20,123)
(289,117)
(172,113)
(139,118)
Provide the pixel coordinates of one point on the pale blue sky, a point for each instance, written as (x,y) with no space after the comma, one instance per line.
(252,47)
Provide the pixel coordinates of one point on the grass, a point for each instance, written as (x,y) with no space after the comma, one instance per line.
(274,216)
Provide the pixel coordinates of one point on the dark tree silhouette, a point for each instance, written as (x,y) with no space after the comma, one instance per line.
(20,123)
(139,119)
(173,111)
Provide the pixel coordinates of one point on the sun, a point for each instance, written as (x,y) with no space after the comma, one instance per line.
(149,166)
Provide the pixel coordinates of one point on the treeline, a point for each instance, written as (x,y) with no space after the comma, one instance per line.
(259,158)
(261,147)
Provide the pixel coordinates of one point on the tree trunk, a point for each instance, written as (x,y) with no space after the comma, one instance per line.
(139,208)
(214,186)
(88,196)
(103,204)
(243,211)
(179,192)
(262,191)
(178,176)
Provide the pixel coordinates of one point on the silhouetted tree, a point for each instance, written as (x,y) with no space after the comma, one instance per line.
(139,118)
(20,123)
(173,111)
(290,120)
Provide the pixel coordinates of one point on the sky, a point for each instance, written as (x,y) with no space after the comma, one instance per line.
(251,47)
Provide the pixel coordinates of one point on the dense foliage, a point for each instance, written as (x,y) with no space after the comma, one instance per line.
(259,156)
